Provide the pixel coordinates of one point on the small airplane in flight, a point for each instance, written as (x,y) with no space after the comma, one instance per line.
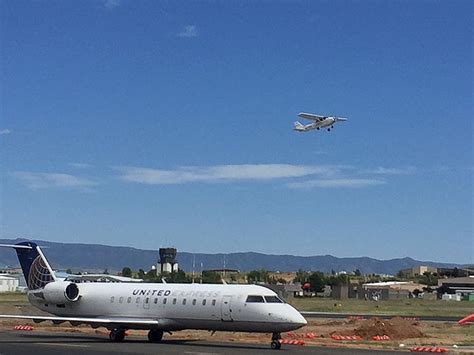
(319,122)
(156,307)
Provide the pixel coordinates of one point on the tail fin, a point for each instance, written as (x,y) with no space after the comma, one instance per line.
(298,126)
(36,268)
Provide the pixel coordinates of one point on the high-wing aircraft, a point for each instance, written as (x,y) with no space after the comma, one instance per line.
(319,122)
(156,307)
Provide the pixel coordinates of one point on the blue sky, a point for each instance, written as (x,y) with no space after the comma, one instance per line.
(152,123)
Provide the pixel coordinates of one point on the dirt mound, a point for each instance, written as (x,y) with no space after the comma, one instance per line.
(396,328)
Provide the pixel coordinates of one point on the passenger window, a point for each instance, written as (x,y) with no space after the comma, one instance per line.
(273,299)
(203,302)
(174,300)
(255,299)
(129,299)
(213,302)
(156,300)
(147,300)
(164,300)
(112,299)
(121,299)
(184,301)
(138,300)
(194,302)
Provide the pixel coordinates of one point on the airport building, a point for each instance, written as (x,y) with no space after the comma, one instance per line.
(461,286)
(9,283)
(417,271)
(167,261)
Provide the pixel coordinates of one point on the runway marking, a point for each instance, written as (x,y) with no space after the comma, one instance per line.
(60,344)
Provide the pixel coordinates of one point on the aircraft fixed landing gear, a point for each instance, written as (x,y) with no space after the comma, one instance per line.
(275,344)
(155,335)
(117,335)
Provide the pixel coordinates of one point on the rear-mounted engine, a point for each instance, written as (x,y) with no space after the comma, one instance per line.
(61,292)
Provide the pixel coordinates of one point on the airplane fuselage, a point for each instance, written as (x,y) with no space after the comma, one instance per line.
(180,306)
(327,122)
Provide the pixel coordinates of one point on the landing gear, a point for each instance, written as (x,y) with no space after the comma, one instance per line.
(275,344)
(117,335)
(155,335)
(329,129)
(317,128)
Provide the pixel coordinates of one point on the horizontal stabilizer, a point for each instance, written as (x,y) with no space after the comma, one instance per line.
(81,320)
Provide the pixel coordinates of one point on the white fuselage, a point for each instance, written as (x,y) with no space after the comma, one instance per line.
(179,306)
(327,122)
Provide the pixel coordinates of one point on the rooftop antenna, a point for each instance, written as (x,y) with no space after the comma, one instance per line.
(194,265)
(201,274)
(223,274)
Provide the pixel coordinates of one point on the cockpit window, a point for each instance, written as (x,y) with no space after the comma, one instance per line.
(255,299)
(273,299)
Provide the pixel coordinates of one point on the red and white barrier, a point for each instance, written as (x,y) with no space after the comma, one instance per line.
(291,342)
(302,335)
(380,337)
(345,337)
(23,327)
(428,349)
(467,319)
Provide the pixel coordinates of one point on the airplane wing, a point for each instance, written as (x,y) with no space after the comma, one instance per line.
(136,322)
(310,116)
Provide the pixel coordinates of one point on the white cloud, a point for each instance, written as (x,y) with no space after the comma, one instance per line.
(188,31)
(223,173)
(80,165)
(335,183)
(5,131)
(35,181)
(112,4)
(389,171)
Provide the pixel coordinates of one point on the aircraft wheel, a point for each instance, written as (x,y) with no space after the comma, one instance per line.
(117,335)
(317,128)
(155,335)
(329,129)
(275,345)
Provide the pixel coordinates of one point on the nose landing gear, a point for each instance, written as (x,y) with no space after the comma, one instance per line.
(275,344)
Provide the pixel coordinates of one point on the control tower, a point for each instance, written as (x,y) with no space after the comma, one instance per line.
(168,261)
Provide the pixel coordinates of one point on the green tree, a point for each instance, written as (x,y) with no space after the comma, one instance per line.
(211,277)
(141,274)
(317,281)
(357,272)
(127,272)
(301,276)
(175,277)
(69,271)
(258,276)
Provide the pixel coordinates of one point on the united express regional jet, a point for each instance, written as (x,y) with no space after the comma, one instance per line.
(156,307)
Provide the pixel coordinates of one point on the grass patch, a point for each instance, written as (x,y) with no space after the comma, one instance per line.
(406,307)
(13,297)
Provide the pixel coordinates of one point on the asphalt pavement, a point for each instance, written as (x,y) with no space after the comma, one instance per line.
(48,343)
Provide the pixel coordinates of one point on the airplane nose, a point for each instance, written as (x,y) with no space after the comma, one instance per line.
(298,319)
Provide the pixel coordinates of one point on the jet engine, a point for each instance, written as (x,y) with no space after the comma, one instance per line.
(61,292)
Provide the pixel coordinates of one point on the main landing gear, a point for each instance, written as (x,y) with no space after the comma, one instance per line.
(155,335)
(117,335)
(275,344)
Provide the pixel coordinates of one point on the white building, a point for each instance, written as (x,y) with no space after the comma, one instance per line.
(8,284)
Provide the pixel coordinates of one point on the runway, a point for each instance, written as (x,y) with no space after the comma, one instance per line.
(44,343)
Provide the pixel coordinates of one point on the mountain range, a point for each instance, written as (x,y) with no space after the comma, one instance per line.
(97,258)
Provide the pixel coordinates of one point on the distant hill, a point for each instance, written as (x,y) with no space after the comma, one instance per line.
(97,258)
